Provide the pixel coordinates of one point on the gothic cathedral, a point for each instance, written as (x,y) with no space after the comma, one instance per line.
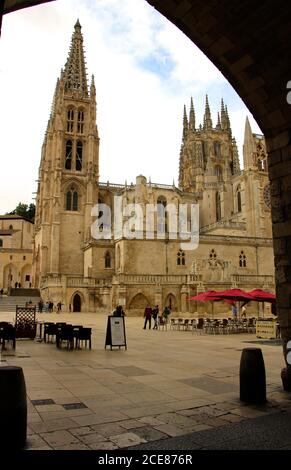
(89,274)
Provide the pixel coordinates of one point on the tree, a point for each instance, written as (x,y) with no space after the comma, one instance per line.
(28,212)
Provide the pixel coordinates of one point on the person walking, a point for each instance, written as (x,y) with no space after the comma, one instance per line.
(155,317)
(166,313)
(234,312)
(147,317)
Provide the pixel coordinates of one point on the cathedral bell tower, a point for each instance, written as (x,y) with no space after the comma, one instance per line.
(68,172)
(209,163)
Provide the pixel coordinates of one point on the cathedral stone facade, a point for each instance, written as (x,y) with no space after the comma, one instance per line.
(91,273)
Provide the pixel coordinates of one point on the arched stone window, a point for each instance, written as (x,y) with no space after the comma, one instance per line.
(217,149)
(218,206)
(80,124)
(72,199)
(70,120)
(181,258)
(79,155)
(238,198)
(68,156)
(10,227)
(162,222)
(218,172)
(242,260)
(107,260)
(1,242)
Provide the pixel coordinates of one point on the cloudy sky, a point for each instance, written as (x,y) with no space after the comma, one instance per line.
(145,70)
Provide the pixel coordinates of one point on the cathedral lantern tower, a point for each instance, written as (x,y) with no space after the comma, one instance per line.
(68,172)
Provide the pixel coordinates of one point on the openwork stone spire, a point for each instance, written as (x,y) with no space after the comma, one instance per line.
(185,124)
(192,117)
(223,116)
(207,121)
(75,79)
(218,125)
(235,158)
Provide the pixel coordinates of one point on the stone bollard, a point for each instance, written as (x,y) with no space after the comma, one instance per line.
(252,376)
(13,408)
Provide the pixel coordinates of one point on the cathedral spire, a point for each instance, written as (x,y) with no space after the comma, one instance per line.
(185,124)
(207,121)
(192,117)
(248,146)
(92,87)
(218,125)
(223,116)
(74,76)
(235,158)
(228,126)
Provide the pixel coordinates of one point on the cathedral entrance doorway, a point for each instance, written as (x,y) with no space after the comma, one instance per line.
(77,303)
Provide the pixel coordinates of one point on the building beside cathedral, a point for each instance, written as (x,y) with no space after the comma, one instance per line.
(69,265)
(16,248)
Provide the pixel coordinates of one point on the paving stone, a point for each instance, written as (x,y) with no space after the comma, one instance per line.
(76,446)
(230,418)
(59,438)
(109,429)
(149,434)
(52,425)
(36,442)
(150,420)
(91,419)
(83,431)
(225,406)
(127,439)
(91,438)
(170,429)
(49,408)
(33,418)
(176,419)
(247,412)
(211,411)
(132,371)
(132,423)
(104,445)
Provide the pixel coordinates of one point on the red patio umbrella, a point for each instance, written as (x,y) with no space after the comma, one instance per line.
(204,296)
(233,294)
(209,295)
(261,295)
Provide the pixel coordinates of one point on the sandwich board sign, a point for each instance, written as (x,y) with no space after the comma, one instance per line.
(115,332)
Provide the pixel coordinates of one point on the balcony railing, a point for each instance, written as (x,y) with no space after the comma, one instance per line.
(253,279)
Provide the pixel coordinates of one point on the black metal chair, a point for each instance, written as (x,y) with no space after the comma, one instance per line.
(76,334)
(84,335)
(7,333)
(65,333)
(50,330)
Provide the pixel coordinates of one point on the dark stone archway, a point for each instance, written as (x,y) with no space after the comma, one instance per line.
(77,303)
(250,43)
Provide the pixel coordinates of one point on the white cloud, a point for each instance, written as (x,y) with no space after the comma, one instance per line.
(145,70)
